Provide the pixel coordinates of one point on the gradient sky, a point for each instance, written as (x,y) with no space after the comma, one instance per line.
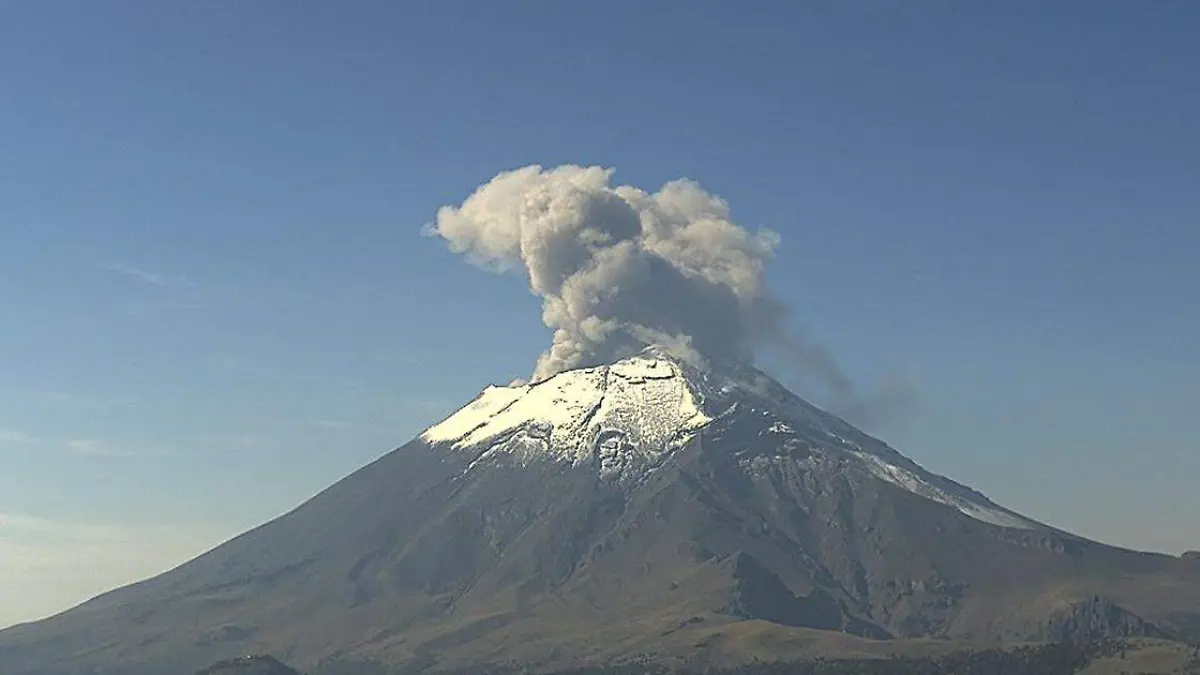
(215,299)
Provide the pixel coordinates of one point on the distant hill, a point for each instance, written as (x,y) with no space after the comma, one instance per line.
(249,665)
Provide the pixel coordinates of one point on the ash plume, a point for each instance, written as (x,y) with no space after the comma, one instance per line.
(617,268)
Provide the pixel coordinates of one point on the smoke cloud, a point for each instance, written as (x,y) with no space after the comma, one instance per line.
(618,268)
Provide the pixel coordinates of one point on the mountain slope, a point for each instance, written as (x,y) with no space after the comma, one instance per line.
(646,506)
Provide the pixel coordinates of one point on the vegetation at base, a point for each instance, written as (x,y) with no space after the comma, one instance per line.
(1061,658)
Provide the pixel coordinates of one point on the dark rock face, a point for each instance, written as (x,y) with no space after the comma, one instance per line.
(759,594)
(433,556)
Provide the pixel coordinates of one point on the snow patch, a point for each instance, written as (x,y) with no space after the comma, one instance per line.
(475,415)
(915,484)
(780,428)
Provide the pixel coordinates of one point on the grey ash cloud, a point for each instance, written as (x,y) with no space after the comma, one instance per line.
(617,267)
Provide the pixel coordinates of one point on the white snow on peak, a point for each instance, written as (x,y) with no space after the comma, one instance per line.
(642,407)
(635,407)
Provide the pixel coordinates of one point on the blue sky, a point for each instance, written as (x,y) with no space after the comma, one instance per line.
(216,300)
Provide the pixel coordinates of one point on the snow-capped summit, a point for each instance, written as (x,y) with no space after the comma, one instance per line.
(640,405)
(628,416)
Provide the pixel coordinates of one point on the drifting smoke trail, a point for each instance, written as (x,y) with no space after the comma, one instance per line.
(618,268)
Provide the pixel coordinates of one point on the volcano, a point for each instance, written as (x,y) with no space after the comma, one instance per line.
(656,507)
